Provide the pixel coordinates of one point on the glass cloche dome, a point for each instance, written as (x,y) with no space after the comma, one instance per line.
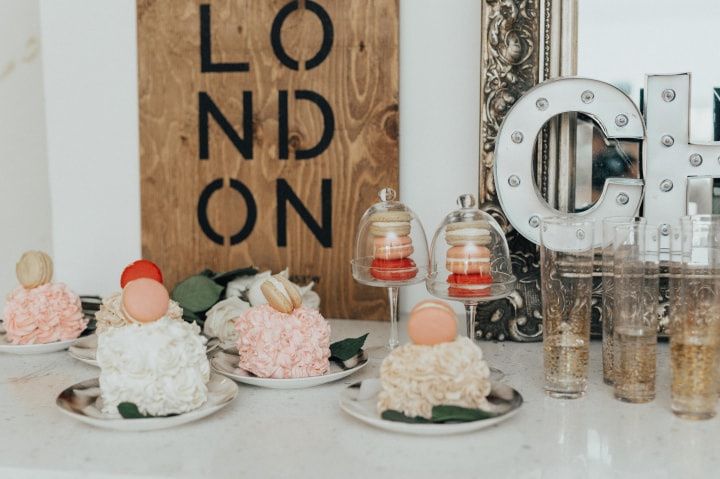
(470,260)
(390,247)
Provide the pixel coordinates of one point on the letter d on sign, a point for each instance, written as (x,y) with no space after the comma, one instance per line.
(614,112)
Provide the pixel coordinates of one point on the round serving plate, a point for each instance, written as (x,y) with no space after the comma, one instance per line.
(82,401)
(360,401)
(85,349)
(10,348)
(226,363)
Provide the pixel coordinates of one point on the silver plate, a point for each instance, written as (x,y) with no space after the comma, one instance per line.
(226,363)
(360,401)
(82,401)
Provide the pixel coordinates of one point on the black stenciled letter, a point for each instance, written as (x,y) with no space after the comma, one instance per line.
(283,127)
(202,207)
(206,63)
(327,39)
(207,107)
(285,194)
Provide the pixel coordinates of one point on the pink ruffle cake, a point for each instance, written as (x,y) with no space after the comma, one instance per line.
(44,314)
(278,345)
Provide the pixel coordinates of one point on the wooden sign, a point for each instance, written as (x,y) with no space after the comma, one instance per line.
(266,129)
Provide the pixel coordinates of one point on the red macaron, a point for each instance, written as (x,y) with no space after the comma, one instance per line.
(393,269)
(141,268)
(467,285)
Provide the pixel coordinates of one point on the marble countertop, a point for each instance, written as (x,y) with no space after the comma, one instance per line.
(303,433)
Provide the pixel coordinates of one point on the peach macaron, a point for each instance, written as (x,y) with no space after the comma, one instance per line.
(432,322)
(145,300)
(392,247)
(468,259)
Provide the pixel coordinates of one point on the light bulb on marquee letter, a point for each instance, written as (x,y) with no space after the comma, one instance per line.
(612,110)
(670,160)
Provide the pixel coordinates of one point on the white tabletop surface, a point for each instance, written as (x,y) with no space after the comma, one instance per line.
(303,433)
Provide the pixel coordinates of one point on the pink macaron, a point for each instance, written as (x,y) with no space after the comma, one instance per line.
(392,247)
(468,259)
(145,300)
(432,322)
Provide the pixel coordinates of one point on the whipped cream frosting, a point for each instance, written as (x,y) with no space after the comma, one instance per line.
(272,344)
(111,314)
(415,378)
(45,314)
(220,320)
(161,366)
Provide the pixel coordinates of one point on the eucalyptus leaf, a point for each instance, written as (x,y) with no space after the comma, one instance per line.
(397,416)
(190,317)
(224,278)
(440,414)
(347,348)
(129,410)
(458,414)
(197,293)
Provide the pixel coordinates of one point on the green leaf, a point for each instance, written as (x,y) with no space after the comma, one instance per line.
(442,414)
(397,416)
(347,348)
(224,278)
(190,317)
(130,410)
(197,293)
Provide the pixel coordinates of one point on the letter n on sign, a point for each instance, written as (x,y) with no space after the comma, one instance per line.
(266,129)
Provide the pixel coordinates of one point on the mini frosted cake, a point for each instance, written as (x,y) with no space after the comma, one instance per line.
(111,315)
(436,369)
(39,311)
(156,362)
(283,339)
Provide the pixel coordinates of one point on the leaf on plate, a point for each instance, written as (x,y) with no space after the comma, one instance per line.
(397,416)
(347,348)
(129,410)
(197,293)
(442,414)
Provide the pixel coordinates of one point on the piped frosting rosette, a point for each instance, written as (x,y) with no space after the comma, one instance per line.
(38,311)
(283,339)
(437,368)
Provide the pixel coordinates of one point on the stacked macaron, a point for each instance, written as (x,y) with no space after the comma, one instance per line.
(392,246)
(468,258)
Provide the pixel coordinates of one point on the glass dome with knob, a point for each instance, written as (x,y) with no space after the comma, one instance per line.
(470,260)
(390,251)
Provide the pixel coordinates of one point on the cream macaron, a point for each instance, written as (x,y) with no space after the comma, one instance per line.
(281,294)
(390,223)
(432,322)
(473,232)
(34,269)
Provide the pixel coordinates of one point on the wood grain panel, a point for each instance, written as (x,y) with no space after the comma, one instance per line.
(359,79)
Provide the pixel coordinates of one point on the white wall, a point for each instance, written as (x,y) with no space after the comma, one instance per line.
(90,64)
(91,88)
(24,198)
(439,111)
